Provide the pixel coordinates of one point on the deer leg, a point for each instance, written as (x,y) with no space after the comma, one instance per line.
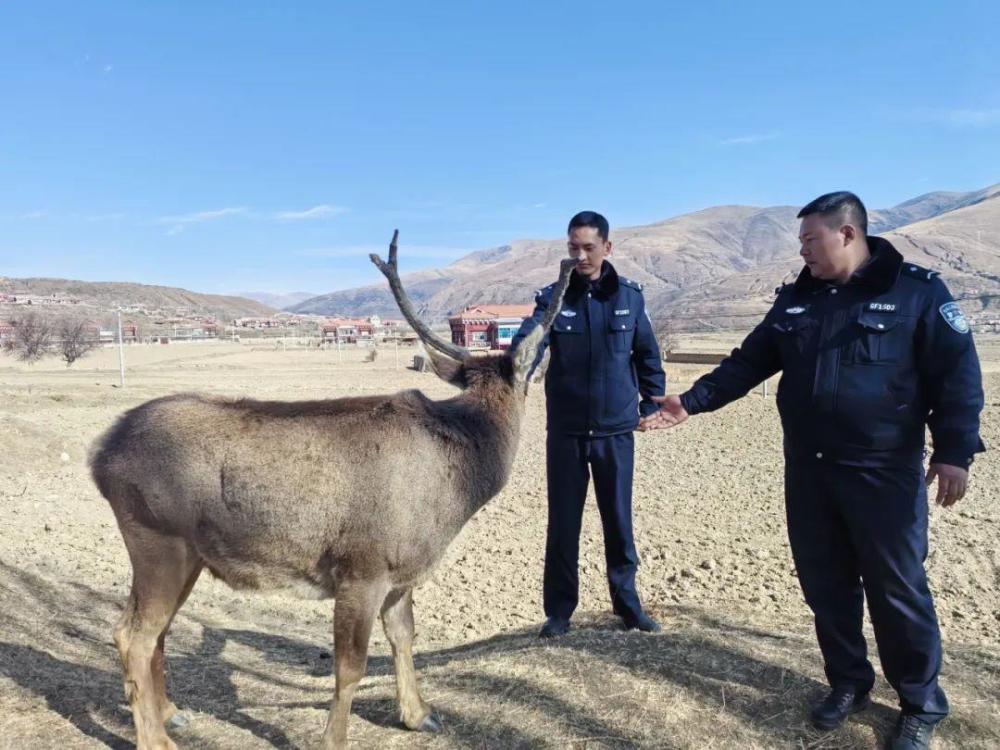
(397,621)
(167,707)
(162,568)
(353,616)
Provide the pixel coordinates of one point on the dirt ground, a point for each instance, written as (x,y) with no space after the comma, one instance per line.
(735,666)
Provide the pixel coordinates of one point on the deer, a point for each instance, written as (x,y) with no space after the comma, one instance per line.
(354,499)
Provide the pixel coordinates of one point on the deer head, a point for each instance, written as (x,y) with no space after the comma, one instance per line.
(456,364)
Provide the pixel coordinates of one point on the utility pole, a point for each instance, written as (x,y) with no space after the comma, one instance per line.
(121,351)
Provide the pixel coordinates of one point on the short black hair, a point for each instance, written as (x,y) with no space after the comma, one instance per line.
(843,207)
(590,219)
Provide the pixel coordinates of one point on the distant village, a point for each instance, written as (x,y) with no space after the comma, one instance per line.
(482,327)
(477,327)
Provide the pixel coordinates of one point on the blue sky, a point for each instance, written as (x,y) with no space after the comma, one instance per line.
(229,146)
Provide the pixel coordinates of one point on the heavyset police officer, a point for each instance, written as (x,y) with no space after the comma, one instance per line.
(871,348)
(604,367)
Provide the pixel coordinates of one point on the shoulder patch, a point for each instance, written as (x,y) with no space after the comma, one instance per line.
(954,317)
(919,272)
(629,283)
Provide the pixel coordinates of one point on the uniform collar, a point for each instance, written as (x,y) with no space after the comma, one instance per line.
(607,283)
(878,274)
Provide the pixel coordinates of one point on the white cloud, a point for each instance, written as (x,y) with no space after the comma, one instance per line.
(363,251)
(201,216)
(970,118)
(746,140)
(35,215)
(108,68)
(178,223)
(956,117)
(316,212)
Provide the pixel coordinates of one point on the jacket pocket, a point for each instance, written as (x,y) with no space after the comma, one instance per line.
(568,347)
(794,334)
(879,338)
(621,333)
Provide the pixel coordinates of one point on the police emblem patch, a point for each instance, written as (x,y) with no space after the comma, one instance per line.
(795,310)
(568,313)
(953,316)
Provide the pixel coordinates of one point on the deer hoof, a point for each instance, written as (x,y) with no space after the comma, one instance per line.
(431,723)
(178,720)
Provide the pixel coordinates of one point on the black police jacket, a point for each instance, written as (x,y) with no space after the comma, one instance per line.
(865,366)
(603,354)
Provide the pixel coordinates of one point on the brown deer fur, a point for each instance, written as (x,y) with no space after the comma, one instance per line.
(353,498)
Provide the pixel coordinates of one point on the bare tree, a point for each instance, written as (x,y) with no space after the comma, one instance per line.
(361,510)
(76,340)
(30,339)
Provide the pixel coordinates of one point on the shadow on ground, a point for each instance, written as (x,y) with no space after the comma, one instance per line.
(511,690)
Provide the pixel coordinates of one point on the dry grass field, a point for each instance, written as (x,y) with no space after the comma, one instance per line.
(734,668)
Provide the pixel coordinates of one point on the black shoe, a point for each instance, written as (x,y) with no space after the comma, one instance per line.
(838,704)
(554,627)
(644,623)
(910,733)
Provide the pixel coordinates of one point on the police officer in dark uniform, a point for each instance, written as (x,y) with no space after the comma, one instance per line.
(871,349)
(602,356)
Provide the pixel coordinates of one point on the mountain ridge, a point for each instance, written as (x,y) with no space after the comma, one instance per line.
(682,261)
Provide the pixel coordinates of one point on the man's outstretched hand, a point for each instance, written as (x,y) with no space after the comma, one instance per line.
(671,414)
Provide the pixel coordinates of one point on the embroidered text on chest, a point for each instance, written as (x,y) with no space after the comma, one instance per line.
(882,306)
(622,312)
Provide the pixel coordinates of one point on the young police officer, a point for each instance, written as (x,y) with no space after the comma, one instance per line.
(871,349)
(603,355)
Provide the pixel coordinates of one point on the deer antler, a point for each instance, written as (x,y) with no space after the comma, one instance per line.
(391,271)
(526,353)
(566,267)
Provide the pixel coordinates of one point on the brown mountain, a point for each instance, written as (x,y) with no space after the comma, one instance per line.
(962,244)
(712,268)
(97,301)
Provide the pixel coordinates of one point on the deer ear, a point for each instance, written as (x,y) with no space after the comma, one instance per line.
(448,369)
(527,353)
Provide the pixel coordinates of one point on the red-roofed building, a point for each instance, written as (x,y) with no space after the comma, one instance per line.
(360,330)
(488,326)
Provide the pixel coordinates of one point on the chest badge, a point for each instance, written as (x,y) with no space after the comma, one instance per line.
(882,306)
(622,312)
(953,316)
(797,310)
(568,313)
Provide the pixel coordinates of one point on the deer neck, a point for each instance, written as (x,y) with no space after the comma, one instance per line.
(494,412)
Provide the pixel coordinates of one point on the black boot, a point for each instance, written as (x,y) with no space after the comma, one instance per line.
(838,704)
(910,733)
(643,623)
(553,627)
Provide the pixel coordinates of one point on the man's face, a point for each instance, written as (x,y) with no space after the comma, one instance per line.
(586,245)
(825,250)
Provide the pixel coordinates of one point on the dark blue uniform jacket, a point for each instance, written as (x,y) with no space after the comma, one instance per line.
(865,366)
(603,354)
